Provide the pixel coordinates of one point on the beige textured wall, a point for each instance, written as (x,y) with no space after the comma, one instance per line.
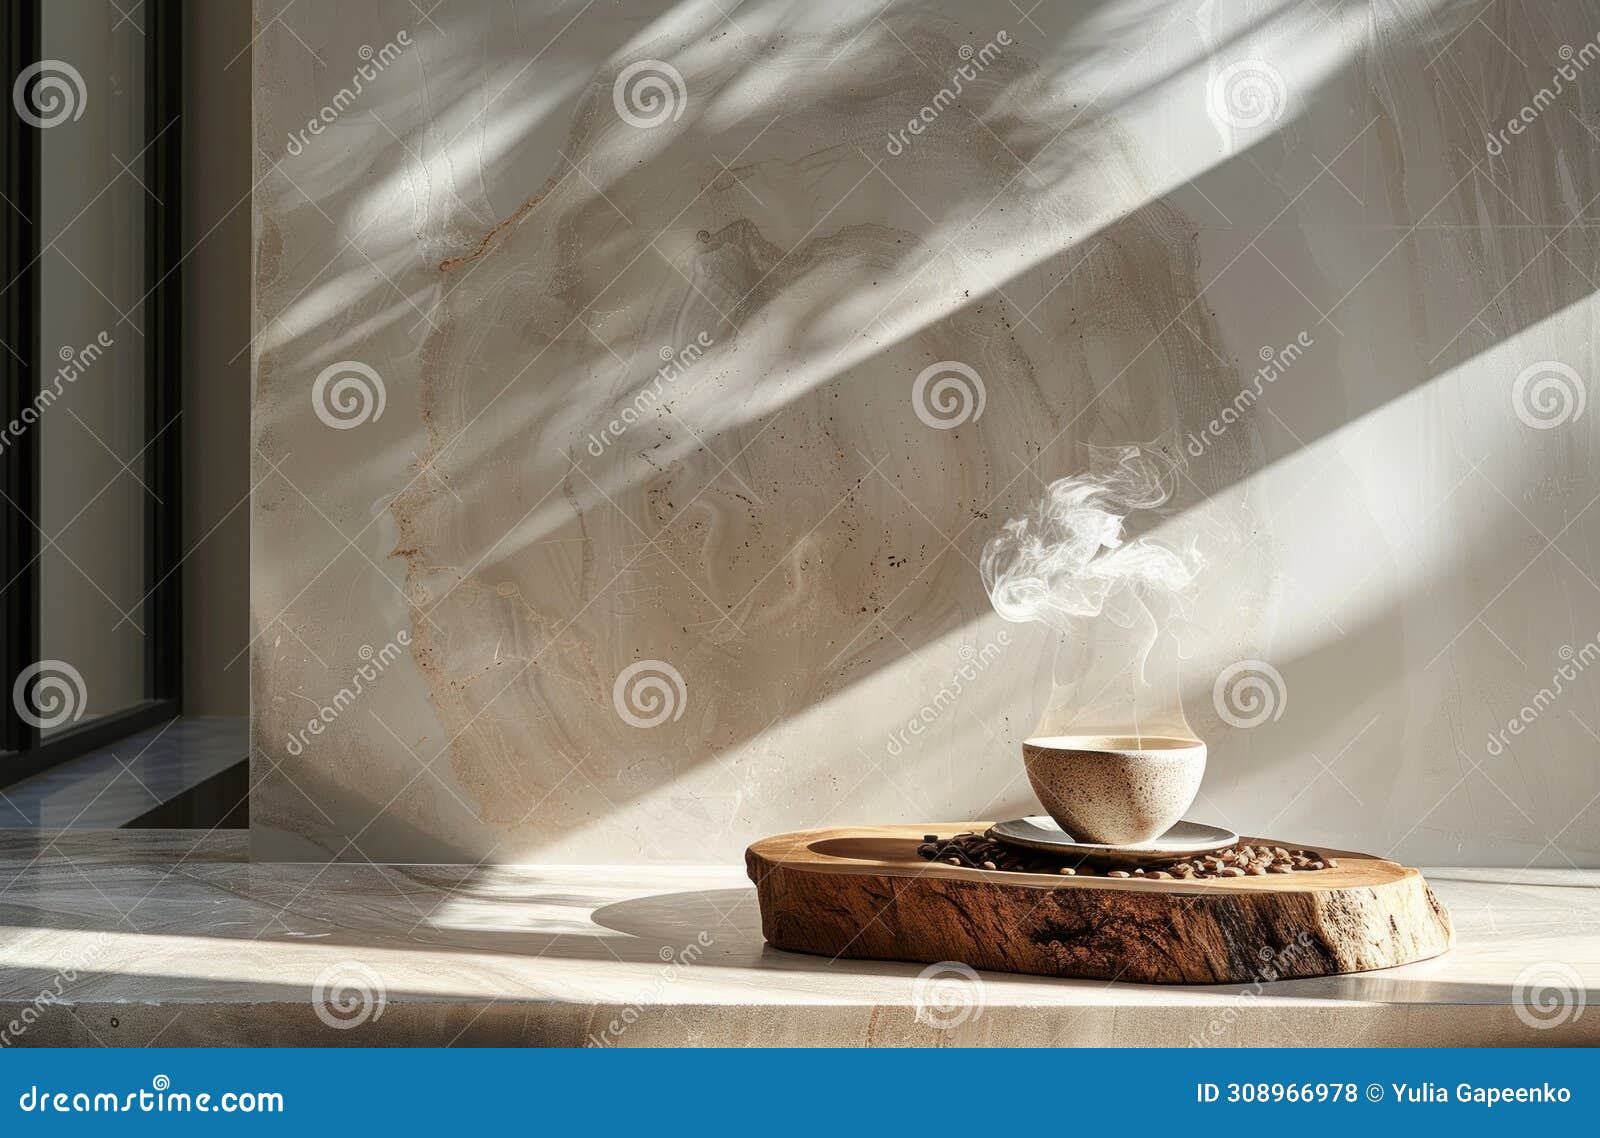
(477,259)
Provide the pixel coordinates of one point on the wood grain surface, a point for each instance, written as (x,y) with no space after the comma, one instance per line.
(864,892)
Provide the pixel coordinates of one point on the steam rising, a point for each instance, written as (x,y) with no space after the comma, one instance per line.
(1070,558)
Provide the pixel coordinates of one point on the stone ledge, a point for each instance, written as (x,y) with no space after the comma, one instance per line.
(174,938)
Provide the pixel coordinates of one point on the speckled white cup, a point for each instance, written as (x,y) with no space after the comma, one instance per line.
(1115,790)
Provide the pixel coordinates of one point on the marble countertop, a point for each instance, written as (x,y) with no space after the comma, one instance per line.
(128,938)
(116,784)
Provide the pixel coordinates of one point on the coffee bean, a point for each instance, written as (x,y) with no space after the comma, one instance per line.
(973,851)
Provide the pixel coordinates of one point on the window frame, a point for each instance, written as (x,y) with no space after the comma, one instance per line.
(22,751)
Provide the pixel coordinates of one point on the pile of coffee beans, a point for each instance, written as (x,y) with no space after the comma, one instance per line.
(978,851)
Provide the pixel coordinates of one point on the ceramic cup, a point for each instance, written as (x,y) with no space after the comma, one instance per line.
(1115,790)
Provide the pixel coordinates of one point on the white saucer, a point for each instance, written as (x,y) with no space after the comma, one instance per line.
(1186,839)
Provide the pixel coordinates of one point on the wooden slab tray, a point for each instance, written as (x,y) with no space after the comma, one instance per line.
(864,892)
